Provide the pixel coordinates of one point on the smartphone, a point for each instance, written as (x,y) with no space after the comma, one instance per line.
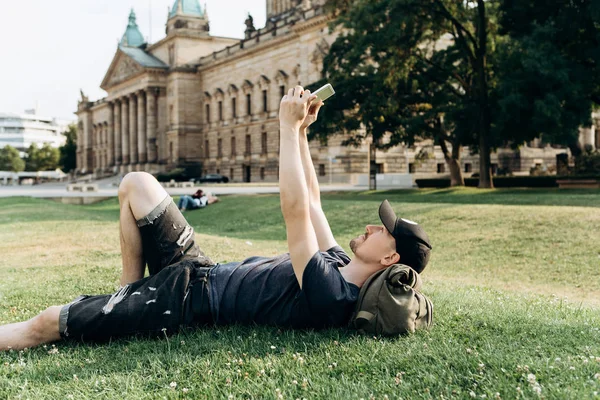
(324,92)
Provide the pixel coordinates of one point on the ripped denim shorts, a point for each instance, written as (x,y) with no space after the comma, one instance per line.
(174,295)
(167,238)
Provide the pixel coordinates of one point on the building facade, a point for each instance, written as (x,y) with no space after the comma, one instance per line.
(195,98)
(22,130)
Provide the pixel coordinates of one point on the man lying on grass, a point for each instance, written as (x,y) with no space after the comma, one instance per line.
(316,285)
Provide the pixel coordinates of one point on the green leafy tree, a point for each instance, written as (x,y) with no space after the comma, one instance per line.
(10,160)
(412,70)
(43,158)
(68,152)
(549,70)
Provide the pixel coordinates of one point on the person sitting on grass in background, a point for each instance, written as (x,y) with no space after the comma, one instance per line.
(315,285)
(195,201)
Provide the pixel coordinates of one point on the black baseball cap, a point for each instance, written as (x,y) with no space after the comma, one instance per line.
(412,242)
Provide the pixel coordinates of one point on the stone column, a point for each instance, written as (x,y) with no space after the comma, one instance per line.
(102,146)
(94,149)
(118,156)
(133,153)
(152,117)
(141,125)
(105,144)
(105,164)
(125,130)
(110,132)
(587,137)
(98,146)
(596,123)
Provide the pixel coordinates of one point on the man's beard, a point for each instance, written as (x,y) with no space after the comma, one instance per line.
(353,245)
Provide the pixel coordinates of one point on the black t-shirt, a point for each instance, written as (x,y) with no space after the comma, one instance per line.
(265,291)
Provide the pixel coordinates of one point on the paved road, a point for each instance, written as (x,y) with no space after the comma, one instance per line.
(109,190)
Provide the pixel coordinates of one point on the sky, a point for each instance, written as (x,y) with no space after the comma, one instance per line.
(50,49)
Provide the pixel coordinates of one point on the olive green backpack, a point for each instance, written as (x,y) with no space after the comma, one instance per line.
(390,303)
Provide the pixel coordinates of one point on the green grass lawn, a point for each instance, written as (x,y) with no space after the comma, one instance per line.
(514,277)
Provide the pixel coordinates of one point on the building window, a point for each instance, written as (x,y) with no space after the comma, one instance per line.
(171,114)
(441,168)
(233,146)
(220,148)
(281,91)
(263,143)
(233,110)
(248,145)
(468,167)
(220,111)
(379,168)
(218,171)
(411,168)
(264,98)
(207,113)
(248,104)
(206,149)
(494,168)
(262,173)
(231,174)
(321,169)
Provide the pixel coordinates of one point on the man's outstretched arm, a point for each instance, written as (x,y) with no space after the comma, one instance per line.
(294,196)
(317,216)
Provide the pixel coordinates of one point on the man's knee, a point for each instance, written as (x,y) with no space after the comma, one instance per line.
(141,192)
(135,182)
(45,326)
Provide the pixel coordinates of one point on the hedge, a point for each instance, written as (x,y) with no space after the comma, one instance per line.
(504,181)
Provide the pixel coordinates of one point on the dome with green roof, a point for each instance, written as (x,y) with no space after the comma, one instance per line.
(188,7)
(132,36)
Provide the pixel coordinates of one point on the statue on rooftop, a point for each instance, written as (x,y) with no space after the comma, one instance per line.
(250,29)
(84,98)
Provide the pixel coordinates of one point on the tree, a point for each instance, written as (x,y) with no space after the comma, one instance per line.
(10,160)
(68,152)
(411,70)
(549,73)
(43,158)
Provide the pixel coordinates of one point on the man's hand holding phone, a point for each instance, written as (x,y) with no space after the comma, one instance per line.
(294,107)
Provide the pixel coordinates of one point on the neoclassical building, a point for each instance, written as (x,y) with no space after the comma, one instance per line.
(193,98)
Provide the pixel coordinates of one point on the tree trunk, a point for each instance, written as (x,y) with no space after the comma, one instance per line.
(485,167)
(456,177)
(453,161)
(455,171)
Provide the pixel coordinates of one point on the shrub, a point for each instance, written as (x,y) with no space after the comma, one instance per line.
(518,181)
(433,183)
(587,163)
(181,174)
(499,182)
(176,174)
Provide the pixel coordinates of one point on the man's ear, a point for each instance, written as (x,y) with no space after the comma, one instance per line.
(392,258)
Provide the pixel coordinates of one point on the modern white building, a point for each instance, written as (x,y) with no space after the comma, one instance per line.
(21,130)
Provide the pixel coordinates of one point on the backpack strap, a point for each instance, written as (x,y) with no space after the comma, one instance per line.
(363,318)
